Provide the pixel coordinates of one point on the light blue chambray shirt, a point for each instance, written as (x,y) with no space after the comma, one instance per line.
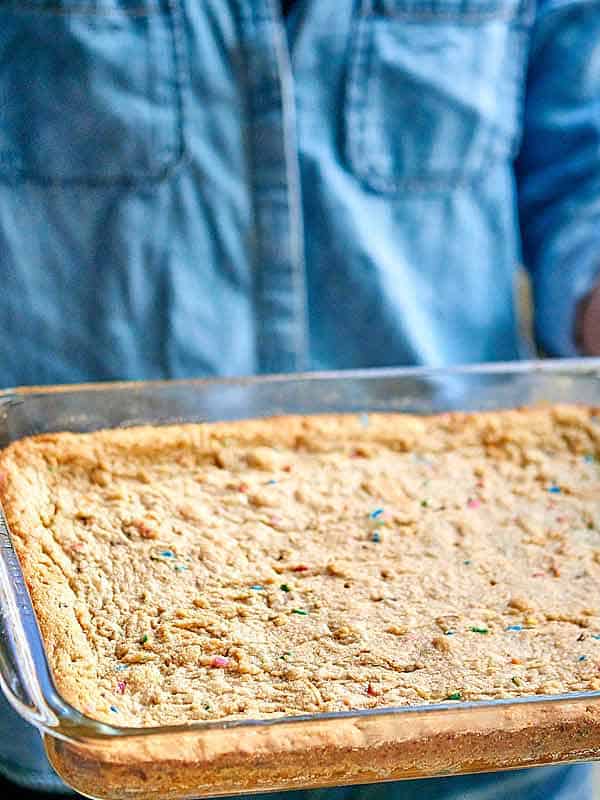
(194,187)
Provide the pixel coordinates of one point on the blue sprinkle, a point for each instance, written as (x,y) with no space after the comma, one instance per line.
(167,554)
(595,635)
(589,458)
(257,587)
(581,658)
(554,489)
(448,633)
(122,667)
(271,482)
(180,567)
(376,537)
(377,513)
(114,709)
(364,420)
(515,628)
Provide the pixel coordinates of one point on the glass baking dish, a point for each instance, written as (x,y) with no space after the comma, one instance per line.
(208,759)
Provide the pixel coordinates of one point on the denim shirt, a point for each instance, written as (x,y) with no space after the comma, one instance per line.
(196,187)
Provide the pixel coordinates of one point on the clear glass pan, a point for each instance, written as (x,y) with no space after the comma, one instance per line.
(207,759)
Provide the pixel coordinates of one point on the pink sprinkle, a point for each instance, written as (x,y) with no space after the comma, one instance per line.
(121,687)
(275,521)
(372,691)
(220,662)
(77,546)
(243,487)
(538,575)
(300,568)
(561,519)
(474,503)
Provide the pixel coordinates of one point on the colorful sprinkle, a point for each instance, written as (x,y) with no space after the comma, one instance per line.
(554,489)
(448,633)
(167,554)
(582,658)
(180,567)
(243,487)
(300,611)
(424,503)
(516,681)
(272,482)
(122,667)
(475,629)
(144,639)
(300,568)
(219,662)
(467,561)
(514,628)
(376,537)
(285,656)
(538,574)
(257,587)
(589,458)
(595,635)
(114,709)
(372,691)
(121,687)
(377,513)
(454,696)
(473,503)
(285,588)
(364,420)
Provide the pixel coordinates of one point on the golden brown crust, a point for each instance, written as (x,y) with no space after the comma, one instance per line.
(307,564)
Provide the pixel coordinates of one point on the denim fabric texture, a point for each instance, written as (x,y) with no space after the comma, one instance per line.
(199,187)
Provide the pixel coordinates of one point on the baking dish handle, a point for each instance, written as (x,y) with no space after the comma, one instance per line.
(22,658)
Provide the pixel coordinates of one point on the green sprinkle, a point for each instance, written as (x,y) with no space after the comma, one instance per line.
(144,639)
(206,707)
(285,588)
(467,561)
(180,567)
(285,656)
(424,503)
(454,696)
(474,629)
(516,681)
(300,611)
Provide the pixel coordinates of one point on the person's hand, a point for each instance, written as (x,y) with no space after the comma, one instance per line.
(588,323)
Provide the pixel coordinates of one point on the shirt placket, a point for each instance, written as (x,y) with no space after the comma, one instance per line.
(278,247)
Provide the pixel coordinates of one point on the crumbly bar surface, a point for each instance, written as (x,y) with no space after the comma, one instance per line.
(312,564)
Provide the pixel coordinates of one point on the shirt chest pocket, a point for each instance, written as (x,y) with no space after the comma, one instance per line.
(91,90)
(434,90)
